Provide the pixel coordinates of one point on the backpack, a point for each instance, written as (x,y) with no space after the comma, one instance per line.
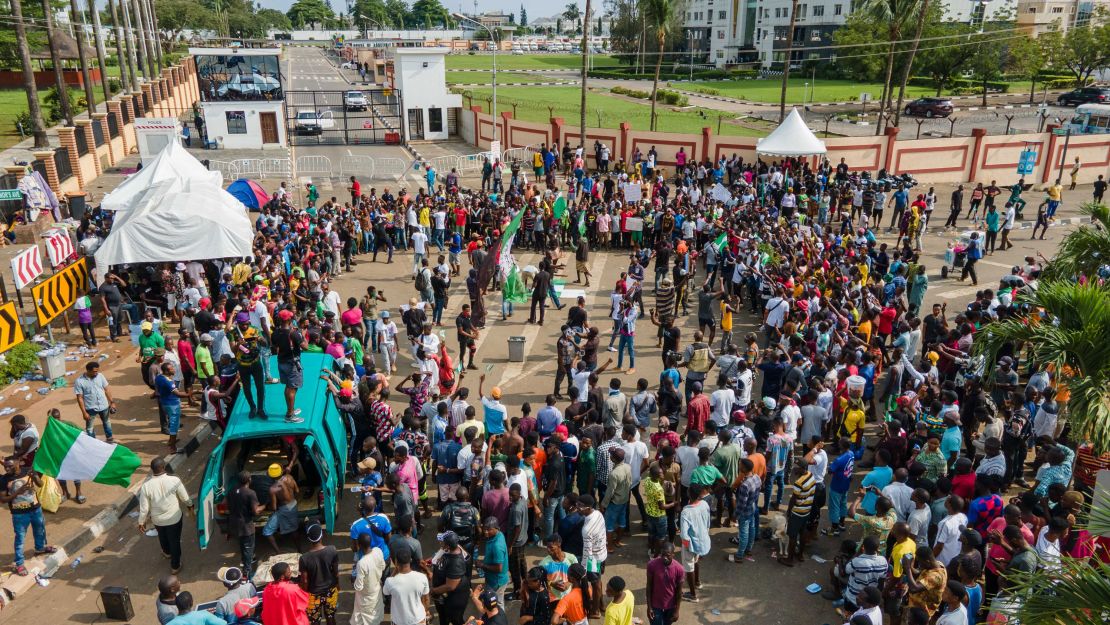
(461,520)
(699,360)
(421,280)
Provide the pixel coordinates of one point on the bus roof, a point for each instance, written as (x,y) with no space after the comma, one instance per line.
(313,401)
(1100,109)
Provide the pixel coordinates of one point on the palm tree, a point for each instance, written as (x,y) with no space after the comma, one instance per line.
(56,60)
(1085,249)
(1072,332)
(82,55)
(658,13)
(100,62)
(1076,592)
(894,13)
(585,61)
(128,80)
(786,63)
(922,11)
(38,128)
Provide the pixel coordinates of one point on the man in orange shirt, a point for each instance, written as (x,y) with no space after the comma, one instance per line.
(759,461)
(283,602)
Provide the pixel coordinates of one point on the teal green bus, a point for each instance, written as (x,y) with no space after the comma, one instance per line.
(254,444)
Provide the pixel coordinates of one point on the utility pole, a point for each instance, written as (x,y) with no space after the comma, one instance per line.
(585,59)
(786,65)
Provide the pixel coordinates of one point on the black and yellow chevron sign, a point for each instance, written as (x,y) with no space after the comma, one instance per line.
(58,292)
(11,333)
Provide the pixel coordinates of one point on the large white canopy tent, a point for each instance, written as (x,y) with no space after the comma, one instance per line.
(792,138)
(168,173)
(174,210)
(198,223)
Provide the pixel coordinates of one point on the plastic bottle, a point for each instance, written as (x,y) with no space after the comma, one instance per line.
(76,562)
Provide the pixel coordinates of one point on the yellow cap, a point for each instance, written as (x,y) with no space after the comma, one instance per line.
(274,470)
(933,357)
(496,392)
(146,325)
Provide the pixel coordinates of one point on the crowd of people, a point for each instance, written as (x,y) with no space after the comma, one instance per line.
(852,373)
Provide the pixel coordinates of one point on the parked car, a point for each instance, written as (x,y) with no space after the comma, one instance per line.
(349,65)
(1084,95)
(929,107)
(313,122)
(355,101)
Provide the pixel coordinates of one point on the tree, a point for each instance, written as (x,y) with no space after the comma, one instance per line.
(309,12)
(56,60)
(1029,59)
(523,16)
(894,14)
(272,18)
(38,128)
(373,10)
(1085,50)
(657,13)
(990,57)
(863,58)
(175,16)
(939,62)
(572,12)
(398,13)
(1074,331)
(428,14)
(82,54)
(907,66)
(559,25)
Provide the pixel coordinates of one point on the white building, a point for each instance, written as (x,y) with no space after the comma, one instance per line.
(725,32)
(420,75)
(242,97)
(1039,16)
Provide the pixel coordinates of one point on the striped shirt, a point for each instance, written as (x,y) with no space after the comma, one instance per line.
(804,489)
(863,570)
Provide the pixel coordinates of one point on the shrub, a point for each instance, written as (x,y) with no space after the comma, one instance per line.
(705,90)
(18,361)
(24,120)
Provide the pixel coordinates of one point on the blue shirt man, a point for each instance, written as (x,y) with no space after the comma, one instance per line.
(951,442)
(901,199)
(377,527)
(547,419)
(879,477)
(496,553)
(445,454)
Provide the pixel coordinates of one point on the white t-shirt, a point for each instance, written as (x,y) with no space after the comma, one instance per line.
(406,590)
(777,308)
(634,454)
(744,379)
(722,400)
(687,459)
(876,615)
(820,466)
(582,383)
(331,302)
(948,534)
(954,617)
(1048,550)
(419,242)
(440,219)
(387,333)
(790,417)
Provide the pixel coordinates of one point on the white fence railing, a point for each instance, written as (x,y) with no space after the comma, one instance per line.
(356,166)
(314,166)
(390,167)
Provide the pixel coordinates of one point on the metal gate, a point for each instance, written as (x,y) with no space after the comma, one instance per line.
(353,117)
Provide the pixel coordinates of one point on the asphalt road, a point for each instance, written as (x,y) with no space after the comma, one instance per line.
(763,590)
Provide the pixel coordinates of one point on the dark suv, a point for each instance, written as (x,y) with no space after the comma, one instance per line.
(929,107)
(1084,95)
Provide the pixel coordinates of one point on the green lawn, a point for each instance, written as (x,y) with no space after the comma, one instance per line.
(484,60)
(532,105)
(471,78)
(14,101)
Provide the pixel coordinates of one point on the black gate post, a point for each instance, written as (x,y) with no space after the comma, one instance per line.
(346,135)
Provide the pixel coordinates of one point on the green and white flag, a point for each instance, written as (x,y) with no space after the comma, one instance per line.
(560,207)
(720,242)
(67,453)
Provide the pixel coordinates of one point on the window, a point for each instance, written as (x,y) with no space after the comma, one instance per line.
(815,35)
(236,123)
(720,15)
(720,54)
(435,120)
(1057,9)
(802,10)
(838,9)
(720,34)
(819,10)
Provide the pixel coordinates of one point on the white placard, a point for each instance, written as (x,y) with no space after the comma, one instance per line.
(720,193)
(494,151)
(634,224)
(632,192)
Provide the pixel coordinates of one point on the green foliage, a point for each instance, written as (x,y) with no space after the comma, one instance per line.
(178,15)
(310,12)
(428,14)
(666,96)
(632,93)
(22,122)
(19,361)
(1084,51)
(706,90)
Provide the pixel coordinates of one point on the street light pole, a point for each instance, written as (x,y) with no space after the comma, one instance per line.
(493,105)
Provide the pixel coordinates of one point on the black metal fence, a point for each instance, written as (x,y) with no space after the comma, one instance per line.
(39,166)
(61,163)
(98,134)
(113,126)
(126,112)
(351,117)
(82,143)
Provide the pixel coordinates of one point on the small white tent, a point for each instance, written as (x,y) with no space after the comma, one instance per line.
(791,138)
(196,223)
(168,173)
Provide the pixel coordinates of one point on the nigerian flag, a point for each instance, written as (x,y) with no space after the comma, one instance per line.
(720,242)
(67,453)
(513,290)
(560,206)
(582,223)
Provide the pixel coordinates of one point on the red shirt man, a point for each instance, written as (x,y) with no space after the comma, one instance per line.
(283,602)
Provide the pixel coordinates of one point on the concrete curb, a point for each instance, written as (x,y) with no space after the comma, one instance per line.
(1022,225)
(99,524)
